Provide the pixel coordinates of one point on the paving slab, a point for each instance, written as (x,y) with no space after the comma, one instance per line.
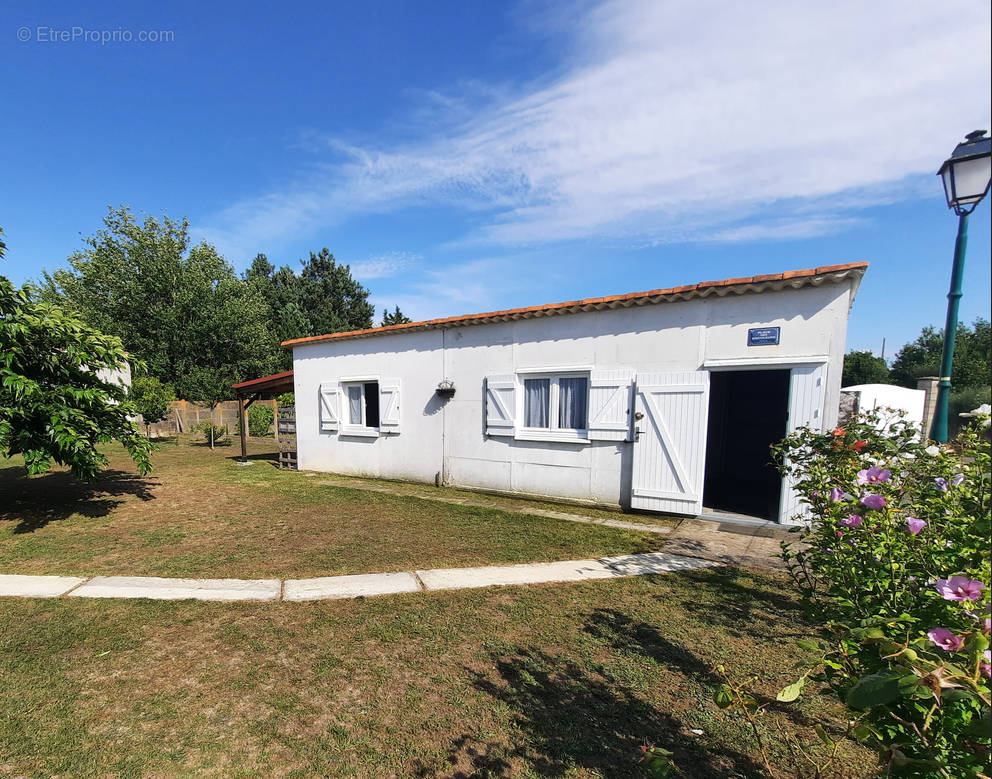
(159,588)
(738,545)
(356,586)
(526,573)
(654,562)
(16,585)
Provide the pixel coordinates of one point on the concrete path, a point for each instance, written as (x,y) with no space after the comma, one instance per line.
(336,587)
(458,498)
(739,545)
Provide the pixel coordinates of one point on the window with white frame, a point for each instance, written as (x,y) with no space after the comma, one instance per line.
(361,400)
(556,402)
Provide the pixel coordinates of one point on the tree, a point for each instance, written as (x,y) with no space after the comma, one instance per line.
(323,298)
(178,308)
(394,317)
(151,399)
(57,402)
(863,367)
(330,298)
(972,364)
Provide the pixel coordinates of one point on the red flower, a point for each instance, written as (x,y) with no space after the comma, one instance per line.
(838,431)
(859,445)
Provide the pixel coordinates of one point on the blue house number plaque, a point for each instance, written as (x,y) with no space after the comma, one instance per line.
(763,336)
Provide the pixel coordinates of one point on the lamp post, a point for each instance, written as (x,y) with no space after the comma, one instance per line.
(966,175)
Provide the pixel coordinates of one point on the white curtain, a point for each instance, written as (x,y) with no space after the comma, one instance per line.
(537,396)
(355,405)
(572,399)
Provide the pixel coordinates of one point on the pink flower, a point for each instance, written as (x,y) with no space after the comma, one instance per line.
(852,521)
(988,624)
(914,525)
(837,494)
(945,639)
(874,475)
(940,483)
(987,665)
(872,501)
(959,588)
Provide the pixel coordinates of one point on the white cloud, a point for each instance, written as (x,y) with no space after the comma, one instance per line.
(383,265)
(789,229)
(674,118)
(470,287)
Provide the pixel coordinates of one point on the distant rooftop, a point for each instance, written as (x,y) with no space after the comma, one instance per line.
(793,279)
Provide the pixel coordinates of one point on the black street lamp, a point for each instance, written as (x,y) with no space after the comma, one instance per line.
(966,176)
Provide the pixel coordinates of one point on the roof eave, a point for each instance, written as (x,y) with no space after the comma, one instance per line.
(775,282)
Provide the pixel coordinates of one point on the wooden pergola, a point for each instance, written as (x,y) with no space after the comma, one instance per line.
(249,391)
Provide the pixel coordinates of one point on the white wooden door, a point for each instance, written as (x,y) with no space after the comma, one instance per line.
(671,410)
(807,390)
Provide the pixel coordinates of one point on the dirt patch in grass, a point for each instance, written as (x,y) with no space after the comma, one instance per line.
(202,515)
(564,680)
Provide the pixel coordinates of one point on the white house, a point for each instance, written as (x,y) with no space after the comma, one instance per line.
(911,402)
(663,400)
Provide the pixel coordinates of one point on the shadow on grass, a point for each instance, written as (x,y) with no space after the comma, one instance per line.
(568,718)
(34,502)
(269,458)
(631,636)
(262,456)
(744,604)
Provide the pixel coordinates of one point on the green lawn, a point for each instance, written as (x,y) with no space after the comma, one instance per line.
(199,514)
(553,680)
(557,680)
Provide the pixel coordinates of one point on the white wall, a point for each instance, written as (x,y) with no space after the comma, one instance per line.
(416,359)
(882,396)
(448,437)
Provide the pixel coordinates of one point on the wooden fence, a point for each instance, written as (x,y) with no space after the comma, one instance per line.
(185,415)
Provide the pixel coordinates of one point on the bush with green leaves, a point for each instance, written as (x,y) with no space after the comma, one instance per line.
(214,435)
(259,421)
(895,562)
(58,400)
(151,399)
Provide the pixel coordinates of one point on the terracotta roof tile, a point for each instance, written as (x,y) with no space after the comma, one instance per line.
(577,304)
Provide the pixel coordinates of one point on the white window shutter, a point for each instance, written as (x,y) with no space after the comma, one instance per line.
(669,459)
(611,396)
(389,405)
(330,406)
(500,404)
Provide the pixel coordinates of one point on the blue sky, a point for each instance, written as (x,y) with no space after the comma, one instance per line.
(467,156)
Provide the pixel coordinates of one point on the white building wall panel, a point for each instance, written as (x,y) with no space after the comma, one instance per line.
(448,437)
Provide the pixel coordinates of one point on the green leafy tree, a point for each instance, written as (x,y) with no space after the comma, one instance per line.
(863,367)
(58,399)
(394,317)
(330,298)
(323,298)
(178,308)
(151,399)
(260,420)
(972,365)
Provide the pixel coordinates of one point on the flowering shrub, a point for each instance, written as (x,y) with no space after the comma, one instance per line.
(895,562)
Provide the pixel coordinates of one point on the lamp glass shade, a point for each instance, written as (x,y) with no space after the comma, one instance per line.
(968,180)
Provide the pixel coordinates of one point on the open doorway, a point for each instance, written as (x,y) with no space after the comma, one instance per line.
(748,413)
